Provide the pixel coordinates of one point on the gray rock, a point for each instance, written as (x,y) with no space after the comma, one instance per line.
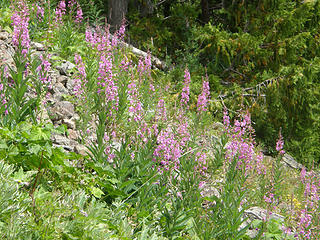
(6,53)
(81,149)
(62,110)
(72,134)
(65,68)
(260,214)
(62,141)
(65,147)
(70,85)
(291,162)
(62,79)
(60,89)
(4,35)
(38,46)
(71,123)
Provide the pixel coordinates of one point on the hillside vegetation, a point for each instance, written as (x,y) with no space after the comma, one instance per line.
(97,143)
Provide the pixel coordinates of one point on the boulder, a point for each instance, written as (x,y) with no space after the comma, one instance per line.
(65,68)
(38,46)
(70,123)
(62,110)
(261,214)
(291,162)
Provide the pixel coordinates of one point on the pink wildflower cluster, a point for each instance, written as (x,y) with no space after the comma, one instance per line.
(79,16)
(183,131)
(171,144)
(40,12)
(135,104)
(203,97)
(125,64)
(73,4)
(108,150)
(144,65)
(99,40)
(80,80)
(226,120)
(242,145)
(161,112)
(106,82)
(201,160)
(279,145)
(308,215)
(3,100)
(43,70)
(186,89)
(168,150)
(270,198)
(20,22)
(121,32)
(146,132)
(60,11)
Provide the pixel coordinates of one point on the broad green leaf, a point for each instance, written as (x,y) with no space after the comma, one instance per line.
(96,192)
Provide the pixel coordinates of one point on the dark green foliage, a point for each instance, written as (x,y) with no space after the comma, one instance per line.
(246,43)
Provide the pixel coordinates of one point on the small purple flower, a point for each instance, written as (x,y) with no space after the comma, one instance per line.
(279,146)
(40,12)
(80,80)
(79,16)
(60,11)
(135,106)
(43,70)
(203,97)
(186,89)
(20,22)
(161,112)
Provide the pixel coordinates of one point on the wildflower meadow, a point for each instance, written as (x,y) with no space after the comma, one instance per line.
(112,148)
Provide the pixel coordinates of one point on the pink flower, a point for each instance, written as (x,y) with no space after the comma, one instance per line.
(279,146)
(80,80)
(186,89)
(60,11)
(161,112)
(43,70)
(20,22)
(203,97)
(135,106)
(79,15)
(40,12)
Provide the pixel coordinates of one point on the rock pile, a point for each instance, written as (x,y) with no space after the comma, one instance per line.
(57,110)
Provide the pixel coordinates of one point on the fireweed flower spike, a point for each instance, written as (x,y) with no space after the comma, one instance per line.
(308,216)
(203,97)
(135,107)
(279,146)
(3,101)
(43,70)
(79,16)
(80,80)
(20,22)
(40,12)
(186,89)
(161,113)
(60,11)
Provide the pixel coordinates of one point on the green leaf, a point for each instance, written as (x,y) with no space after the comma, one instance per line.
(21,176)
(3,144)
(34,149)
(96,192)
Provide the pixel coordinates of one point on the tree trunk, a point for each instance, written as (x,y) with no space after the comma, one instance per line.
(117,12)
(166,8)
(147,8)
(205,14)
